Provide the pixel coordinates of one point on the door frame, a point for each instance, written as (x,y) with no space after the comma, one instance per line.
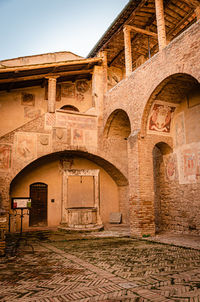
(46,187)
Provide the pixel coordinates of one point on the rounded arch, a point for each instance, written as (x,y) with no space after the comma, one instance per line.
(52,170)
(170,90)
(113,171)
(118,124)
(69,108)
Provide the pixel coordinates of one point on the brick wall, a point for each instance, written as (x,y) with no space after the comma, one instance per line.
(136,96)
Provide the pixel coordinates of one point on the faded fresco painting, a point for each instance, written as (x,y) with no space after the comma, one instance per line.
(25,146)
(189,158)
(82,86)
(78,137)
(5,157)
(68,90)
(179,130)
(160,117)
(31,112)
(27,99)
(43,144)
(170,163)
(61,135)
(189,163)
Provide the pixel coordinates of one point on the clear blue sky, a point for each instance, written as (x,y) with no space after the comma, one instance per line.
(29,27)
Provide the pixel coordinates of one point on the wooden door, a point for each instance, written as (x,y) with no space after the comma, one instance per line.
(38,212)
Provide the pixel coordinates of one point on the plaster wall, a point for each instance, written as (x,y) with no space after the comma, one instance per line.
(51,174)
(17,110)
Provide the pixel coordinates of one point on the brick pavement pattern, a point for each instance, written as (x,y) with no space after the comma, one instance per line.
(109,269)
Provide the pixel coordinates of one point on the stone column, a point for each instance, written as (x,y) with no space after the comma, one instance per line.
(103,55)
(98,89)
(52,94)
(197,12)
(127,50)
(162,41)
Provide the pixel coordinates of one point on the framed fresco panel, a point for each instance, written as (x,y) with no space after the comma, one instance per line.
(5,157)
(160,117)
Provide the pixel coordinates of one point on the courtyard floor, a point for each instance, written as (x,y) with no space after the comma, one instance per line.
(101,268)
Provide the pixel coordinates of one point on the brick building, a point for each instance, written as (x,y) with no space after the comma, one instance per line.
(116,132)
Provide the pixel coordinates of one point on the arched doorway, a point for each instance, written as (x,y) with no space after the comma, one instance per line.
(171,116)
(38,211)
(161,152)
(115,144)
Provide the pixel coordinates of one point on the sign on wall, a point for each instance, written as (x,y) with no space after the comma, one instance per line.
(21,203)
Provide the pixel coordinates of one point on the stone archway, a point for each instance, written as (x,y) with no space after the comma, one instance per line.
(51,170)
(172,116)
(115,145)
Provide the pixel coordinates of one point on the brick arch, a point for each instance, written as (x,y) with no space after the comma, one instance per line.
(179,84)
(112,170)
(118,123)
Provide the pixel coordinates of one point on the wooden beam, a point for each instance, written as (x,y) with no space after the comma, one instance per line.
(192,3)
(41,76)
(127,51)
(141,31)
(160,19)
(4,68)
(125,22)
(180,23)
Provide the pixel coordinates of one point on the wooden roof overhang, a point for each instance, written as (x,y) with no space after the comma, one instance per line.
(36,75)
(179,15)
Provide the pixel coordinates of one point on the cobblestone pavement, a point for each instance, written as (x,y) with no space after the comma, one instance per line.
(101,269)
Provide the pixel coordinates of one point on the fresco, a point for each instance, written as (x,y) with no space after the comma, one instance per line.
(43,144)
(5,156)
(75,129)
(160,117)
(179,130)
(82,86)
(189,163)
(25,146)
(68,90)
(78,137)
(170,163)
(27,99)
(31,112)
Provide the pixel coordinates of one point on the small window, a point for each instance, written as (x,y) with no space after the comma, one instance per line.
(69,107)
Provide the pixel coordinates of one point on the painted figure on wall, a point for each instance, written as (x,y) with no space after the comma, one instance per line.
(170,167)
(25,146)
(189,163)
(179,130)
(5,157)
(160,118)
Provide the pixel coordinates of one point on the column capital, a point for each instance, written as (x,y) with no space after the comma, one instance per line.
(52,77)
(126,28)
